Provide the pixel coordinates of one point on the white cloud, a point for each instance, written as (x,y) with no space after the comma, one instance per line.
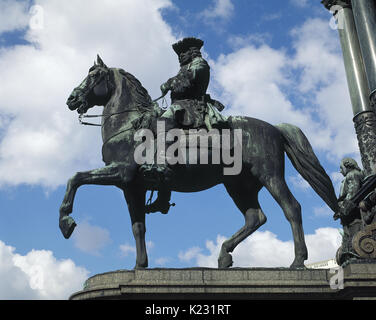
(240,41)
(42,143)
(89,238)
(299,183)
(272,16)
(14,15)
(323,211)
(252,79)
(150,245)
(14,282)
(37,275)
(189,254)
(323,244)
(127,249)
(222,9)
(319,57)
(337,178)
(264,249)
(300,3)
(162,261)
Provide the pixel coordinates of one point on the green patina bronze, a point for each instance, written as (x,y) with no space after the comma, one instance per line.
(128,109)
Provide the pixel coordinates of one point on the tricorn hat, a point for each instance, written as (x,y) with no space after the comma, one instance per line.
(186,43)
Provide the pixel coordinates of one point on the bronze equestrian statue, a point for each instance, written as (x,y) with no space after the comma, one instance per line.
(129,109)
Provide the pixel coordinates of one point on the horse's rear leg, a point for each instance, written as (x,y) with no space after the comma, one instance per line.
(281,193)
(245,198)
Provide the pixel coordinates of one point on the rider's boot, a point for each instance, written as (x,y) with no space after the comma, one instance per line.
(161,204)
(158,174)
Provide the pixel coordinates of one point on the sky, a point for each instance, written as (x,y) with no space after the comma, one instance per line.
(278,61)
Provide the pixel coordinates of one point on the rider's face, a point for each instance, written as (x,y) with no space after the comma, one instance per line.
(184,58)
(343,169)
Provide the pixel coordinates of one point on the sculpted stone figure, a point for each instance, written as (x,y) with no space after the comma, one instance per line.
(349,212)
(349,187)
(368,208)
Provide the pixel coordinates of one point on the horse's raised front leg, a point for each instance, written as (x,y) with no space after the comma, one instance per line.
(135,197)
(114,174)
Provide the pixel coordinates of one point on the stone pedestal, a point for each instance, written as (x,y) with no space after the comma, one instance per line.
(355,281)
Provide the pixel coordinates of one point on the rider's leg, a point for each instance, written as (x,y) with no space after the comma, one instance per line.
(159,173)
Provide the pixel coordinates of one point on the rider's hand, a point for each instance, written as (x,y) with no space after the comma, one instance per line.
(166,87)
(337,215)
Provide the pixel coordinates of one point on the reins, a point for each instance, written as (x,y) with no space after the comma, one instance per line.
(82,115)
(99,116)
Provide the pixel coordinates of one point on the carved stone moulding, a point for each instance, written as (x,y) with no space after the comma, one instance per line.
(365,127)
(373,100)
(364,242)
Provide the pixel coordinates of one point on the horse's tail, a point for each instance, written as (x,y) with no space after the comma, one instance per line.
(301,154)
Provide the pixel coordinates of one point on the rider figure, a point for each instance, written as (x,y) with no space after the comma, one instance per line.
(191,107)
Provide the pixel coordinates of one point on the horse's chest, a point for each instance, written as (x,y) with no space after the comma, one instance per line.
(118,147)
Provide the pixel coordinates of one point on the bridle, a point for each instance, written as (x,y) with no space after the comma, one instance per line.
(83,115)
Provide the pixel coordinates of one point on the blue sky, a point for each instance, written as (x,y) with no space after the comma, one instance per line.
(279,61)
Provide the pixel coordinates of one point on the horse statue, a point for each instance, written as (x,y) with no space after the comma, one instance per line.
(127,102)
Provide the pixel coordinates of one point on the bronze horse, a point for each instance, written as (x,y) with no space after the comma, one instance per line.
(126,102)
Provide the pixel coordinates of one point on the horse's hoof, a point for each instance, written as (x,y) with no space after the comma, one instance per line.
(140,266)
(67,225)
(298,266)
(225,260)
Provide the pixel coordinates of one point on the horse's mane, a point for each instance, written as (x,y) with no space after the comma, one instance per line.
(139,93)
(149,110)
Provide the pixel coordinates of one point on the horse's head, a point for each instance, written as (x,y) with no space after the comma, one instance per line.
(94,90)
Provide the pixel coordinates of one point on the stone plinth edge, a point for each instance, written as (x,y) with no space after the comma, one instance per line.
(355,281)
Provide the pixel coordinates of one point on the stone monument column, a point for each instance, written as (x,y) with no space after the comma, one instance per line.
(365,21)
(364,114)
(357,32)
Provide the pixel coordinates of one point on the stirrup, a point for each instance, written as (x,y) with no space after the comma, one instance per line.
(158,205)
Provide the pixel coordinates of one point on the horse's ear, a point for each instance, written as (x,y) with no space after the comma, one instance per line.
(100,61)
